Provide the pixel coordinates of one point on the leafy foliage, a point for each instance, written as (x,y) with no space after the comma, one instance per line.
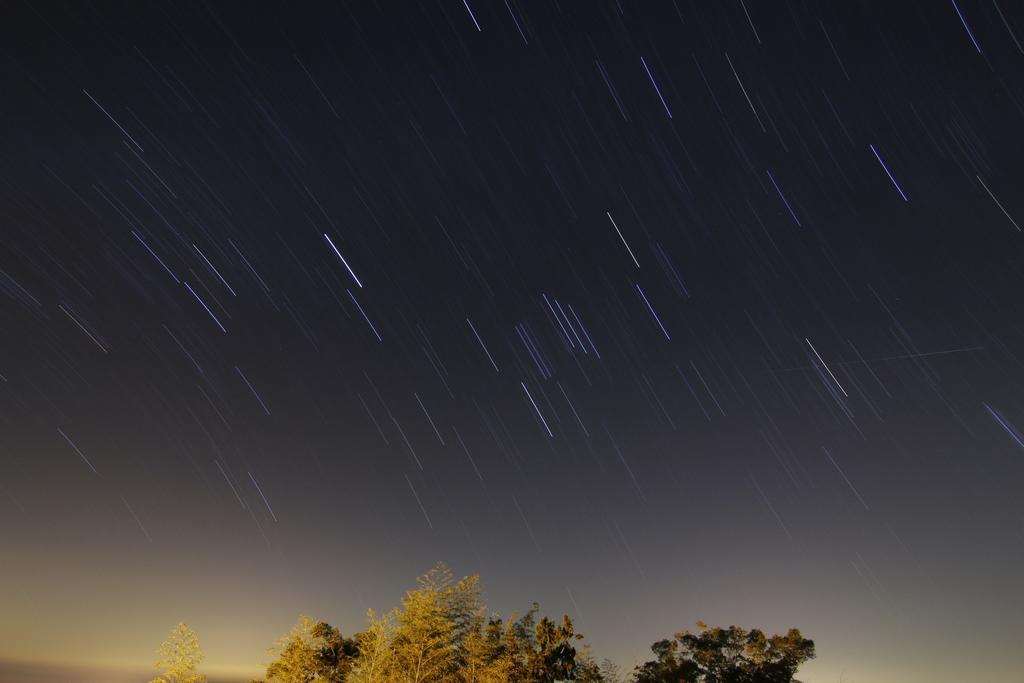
(426,643)
(441,633)
(313,651)
(375,660)
(179,657)
(732,655)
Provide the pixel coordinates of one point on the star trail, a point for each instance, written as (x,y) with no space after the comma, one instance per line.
(653,312)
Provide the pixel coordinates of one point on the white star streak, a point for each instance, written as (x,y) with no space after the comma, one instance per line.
(545,422)
(343,261)
(623,239)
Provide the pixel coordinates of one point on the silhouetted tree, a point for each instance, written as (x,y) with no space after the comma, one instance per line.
(587,670)
(611,672)
(554,657)
(732,655)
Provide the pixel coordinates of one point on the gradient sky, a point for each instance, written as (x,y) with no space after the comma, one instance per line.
(650,312)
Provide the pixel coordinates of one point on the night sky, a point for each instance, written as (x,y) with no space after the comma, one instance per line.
(650,312)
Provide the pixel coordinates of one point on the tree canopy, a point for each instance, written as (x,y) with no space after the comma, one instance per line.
(726,655)
(313,651)
(179,657)
(442,633)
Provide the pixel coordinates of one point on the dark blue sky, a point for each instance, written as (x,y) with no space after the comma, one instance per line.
(651,312)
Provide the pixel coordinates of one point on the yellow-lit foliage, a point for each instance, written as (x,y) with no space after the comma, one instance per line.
(179,657)
(376,658)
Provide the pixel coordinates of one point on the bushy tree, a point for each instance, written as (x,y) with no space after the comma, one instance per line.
(553,657)
(179,657)
(730,655)
(312,651)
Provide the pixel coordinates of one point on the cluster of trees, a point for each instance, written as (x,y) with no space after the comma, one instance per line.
(442,633)
(726,655)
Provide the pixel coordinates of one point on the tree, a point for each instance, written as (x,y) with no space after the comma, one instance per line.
(611,672)
(518,643)
(485,655)
(523,650)
(313,651)
(589,671)
(433,624)
(376,658)
(732,655)
(441,633)
(553,657)
(179,656)
(459,601)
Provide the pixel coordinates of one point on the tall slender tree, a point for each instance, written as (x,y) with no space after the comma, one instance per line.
(376,658)
(179,656)
(433,624)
